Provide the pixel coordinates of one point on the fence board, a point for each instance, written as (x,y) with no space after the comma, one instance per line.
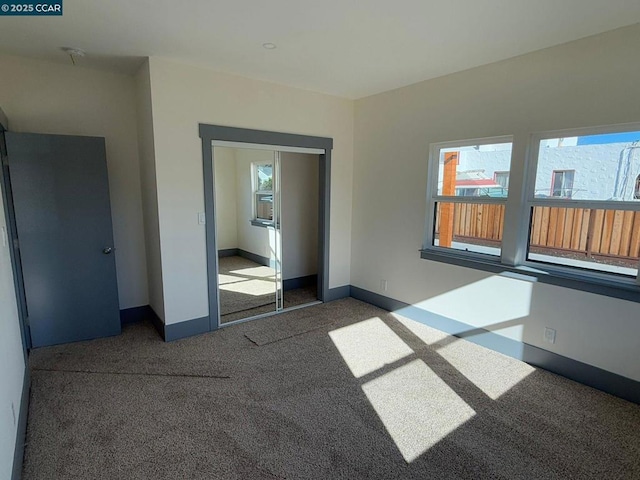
(584,231)
(560,224)
(634,244)
(607,229)
(544,226)
(596,231)
(625,234)
(485,221)
(616,228)
(457,213)
(553,225)
(576,228)
(536,225)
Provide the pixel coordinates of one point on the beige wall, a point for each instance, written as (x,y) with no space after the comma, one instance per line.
(11,356)
(258,240)
(589,82)
(44,97)
(226,198)
(149,192)
(185,95)
(234,209)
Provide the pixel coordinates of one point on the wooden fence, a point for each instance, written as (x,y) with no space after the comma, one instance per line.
(614,233)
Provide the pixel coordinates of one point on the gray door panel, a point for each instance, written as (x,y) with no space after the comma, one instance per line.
(63,218)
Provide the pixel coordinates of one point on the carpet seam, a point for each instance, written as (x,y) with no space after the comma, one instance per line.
(132,373)
(290,336)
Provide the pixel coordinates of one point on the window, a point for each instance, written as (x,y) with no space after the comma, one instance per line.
(599,230)
(562,183)
(577,216)
(263,191)
(466,202)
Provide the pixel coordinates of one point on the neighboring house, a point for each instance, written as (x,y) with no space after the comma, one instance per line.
(567,169)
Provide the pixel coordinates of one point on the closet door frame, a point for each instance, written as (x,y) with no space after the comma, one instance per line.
(247,138)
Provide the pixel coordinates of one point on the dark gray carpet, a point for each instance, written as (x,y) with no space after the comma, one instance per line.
(263,333)
(352,399)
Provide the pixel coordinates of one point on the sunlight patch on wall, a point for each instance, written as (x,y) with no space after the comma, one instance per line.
(424,332)
(493,300)
(368,346)
(251,287)
(417,407)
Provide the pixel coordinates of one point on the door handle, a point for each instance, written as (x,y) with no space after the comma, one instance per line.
(107,250)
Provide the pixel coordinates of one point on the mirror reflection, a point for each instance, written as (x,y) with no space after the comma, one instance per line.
(266,230)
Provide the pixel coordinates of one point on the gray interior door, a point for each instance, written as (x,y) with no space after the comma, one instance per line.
(63,218)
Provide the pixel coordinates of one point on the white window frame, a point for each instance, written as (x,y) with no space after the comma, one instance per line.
(531,201)
(256,191)
(518,216)
(433,198)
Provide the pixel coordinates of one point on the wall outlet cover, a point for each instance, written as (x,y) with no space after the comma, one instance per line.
(549,335)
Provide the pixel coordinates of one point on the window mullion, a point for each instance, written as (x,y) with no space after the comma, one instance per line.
(516,218)
(432,190)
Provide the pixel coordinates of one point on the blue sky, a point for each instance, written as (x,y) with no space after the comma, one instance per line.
(609,138)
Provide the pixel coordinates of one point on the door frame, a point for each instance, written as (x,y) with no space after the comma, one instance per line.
(12,234)
(209,134)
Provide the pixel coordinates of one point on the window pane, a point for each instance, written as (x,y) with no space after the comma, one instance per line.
(605,240)
(592,167)
(264,206)
(475,171)
(264,179)
(469,227)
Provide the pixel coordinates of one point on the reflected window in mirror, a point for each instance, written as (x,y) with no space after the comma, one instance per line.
(263,191)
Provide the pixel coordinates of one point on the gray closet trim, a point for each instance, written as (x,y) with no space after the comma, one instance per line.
(210,133)
(12,234)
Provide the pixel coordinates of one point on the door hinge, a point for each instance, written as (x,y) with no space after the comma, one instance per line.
(16,244)
(27,321)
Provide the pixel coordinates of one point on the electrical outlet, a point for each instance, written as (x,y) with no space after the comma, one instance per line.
(201,218)
(549,335)
(383,285)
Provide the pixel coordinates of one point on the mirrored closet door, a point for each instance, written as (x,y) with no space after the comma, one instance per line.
(247,196)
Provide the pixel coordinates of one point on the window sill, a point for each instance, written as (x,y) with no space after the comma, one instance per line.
(262,223)
(611,287)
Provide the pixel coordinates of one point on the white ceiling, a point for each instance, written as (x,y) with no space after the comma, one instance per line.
(349,48)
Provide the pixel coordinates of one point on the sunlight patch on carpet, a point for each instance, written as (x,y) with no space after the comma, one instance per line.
(255,272)
(251,287)
(493,373)
(368,346)
(224,279)
(417,407)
